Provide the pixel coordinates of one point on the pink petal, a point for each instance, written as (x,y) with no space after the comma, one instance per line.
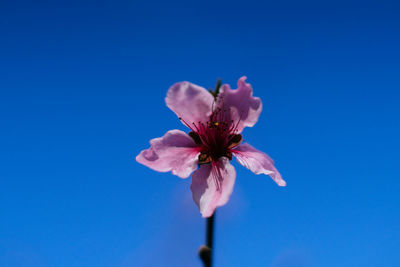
(258,162)
(243,107)
(206,193)
(190,102)
(175,152)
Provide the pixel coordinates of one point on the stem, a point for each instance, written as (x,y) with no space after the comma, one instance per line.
(205,251)
(210,231)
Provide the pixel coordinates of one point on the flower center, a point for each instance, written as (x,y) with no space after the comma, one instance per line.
(216,137)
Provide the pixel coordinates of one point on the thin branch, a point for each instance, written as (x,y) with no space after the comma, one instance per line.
(206,251)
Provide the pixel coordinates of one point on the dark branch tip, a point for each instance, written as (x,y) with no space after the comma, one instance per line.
(205,254)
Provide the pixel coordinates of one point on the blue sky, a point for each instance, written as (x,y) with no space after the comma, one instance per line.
(82,87)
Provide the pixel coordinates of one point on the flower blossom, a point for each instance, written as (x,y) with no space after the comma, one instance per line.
(215,137)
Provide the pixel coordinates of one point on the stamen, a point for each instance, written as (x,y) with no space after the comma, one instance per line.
(217,177)
(194,124)
(187,124)
(216,137)
(237,124)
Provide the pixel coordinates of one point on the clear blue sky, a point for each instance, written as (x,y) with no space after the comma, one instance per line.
(82,87)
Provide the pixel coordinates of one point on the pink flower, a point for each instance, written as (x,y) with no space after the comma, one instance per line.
(207,149)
